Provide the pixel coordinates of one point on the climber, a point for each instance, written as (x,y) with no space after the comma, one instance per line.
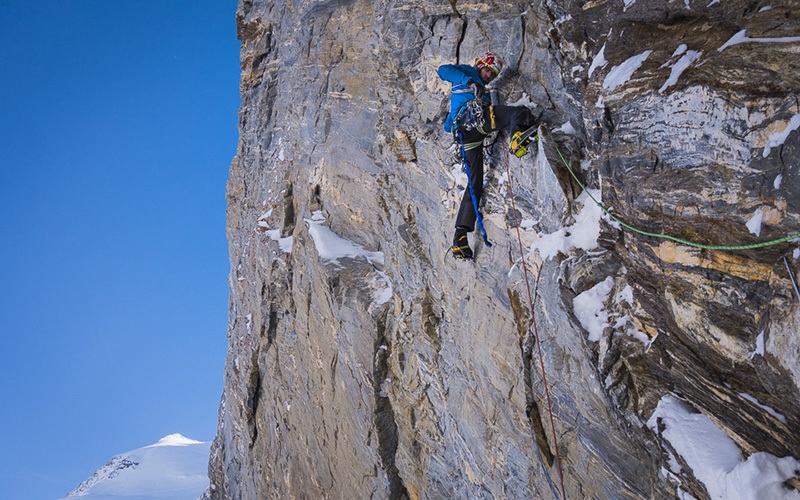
(471,119)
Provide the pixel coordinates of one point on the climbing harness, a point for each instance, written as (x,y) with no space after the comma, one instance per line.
(478,217)
(666,236)
(535,331)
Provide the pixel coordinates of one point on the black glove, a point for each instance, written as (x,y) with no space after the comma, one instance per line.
(478,90)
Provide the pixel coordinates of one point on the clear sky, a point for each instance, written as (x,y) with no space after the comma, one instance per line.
(117,127)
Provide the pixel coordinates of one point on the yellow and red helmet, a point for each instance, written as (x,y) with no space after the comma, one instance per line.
(490,60)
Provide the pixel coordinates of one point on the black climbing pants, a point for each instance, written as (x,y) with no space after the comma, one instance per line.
(513,118)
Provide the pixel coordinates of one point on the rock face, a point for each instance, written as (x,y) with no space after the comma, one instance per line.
(364,363)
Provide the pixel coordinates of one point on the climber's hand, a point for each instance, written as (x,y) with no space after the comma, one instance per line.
(478,90)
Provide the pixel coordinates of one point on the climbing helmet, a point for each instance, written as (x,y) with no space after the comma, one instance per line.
(490,60)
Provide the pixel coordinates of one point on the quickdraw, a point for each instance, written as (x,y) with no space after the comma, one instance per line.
(470,117)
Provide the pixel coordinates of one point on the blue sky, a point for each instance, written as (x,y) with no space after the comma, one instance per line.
(117,126)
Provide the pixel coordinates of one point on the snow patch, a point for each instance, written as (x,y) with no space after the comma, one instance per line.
(715,459)
(766,408)
(599,61)
(331,247)
(566,128)
(754,224)
(759,346)
(619,75)
(679,67)
(383,294)
(285,244)
(778,138)
(741,37)
(583,234)
(528,224)
(458,174)
(590,308)
(525,101)
(175,440)
(601,103)
(626,296)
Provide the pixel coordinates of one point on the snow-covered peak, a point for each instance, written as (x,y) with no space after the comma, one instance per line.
(174,468)
(176,440)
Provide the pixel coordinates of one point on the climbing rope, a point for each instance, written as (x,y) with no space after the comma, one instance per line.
(667,236)
(478,216)
(535,330)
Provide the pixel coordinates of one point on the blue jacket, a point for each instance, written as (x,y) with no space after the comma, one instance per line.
(460,75)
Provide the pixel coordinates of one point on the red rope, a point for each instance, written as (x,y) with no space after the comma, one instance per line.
(535,330)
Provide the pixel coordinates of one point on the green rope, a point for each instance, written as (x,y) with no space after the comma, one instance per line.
(673,238)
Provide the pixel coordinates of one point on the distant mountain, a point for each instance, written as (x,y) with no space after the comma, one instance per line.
(175,468)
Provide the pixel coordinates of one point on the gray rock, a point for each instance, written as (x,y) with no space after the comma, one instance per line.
(397,372)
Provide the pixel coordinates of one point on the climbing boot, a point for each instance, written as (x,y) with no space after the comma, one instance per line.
(460,248)
(520,141)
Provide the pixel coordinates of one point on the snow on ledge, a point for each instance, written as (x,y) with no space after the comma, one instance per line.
(619,75)
(590,310)
(741,37)
(599,60)
(583,234)
(686,60)
(715,459)
(331,247)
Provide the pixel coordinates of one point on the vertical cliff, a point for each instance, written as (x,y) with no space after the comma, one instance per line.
(365,363)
